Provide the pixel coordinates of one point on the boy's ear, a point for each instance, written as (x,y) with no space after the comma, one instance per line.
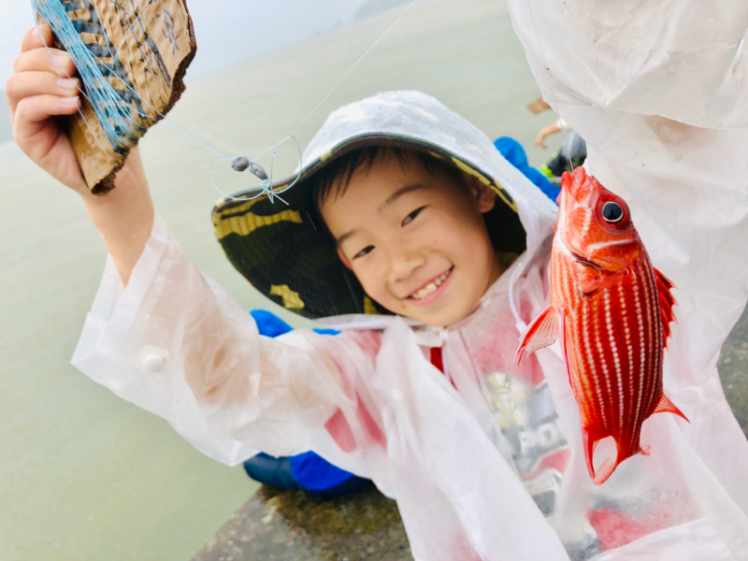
(344,259)
(484,195)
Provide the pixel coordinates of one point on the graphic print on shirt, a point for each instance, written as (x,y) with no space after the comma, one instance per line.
(528,420)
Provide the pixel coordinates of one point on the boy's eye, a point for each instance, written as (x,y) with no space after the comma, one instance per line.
(412,215)
(364,251)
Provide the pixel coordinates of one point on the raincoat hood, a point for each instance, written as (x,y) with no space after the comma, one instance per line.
(279,248)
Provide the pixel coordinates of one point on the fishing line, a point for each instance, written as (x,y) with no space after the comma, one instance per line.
(114,110)
(114,116)
(531,234)
(62,28)
(241,163)
(355,64)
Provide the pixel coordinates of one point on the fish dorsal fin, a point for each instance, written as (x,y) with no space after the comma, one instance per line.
(667,406)
(543,331)
(666,304)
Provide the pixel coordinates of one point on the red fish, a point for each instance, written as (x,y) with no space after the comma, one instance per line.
(611,311)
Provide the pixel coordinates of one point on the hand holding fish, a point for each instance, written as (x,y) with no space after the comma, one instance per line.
(611,311)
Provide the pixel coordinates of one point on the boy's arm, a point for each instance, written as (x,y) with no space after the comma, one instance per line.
(177,344)
(174,342)
(36,96)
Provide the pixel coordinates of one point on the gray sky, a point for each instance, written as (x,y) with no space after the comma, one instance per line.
(15,17)
(228,31)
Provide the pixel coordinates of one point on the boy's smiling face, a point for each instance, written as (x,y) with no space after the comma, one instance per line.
(415,240)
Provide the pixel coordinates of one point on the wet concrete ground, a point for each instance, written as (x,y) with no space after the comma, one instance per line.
(277,525)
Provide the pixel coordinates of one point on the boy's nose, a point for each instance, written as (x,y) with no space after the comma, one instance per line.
(403,262)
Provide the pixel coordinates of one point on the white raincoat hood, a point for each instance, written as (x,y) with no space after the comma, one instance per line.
(423,120)
(406,119)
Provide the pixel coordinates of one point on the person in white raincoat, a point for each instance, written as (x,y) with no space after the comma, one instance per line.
(483,457)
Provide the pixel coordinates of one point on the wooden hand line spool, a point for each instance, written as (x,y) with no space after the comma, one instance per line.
(132,56)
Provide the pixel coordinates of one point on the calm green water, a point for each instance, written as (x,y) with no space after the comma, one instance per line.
(86,476)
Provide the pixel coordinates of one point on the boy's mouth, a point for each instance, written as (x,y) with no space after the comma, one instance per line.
(430,288)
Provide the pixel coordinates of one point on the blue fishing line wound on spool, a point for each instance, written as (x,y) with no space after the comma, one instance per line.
(115,113)
(84,57)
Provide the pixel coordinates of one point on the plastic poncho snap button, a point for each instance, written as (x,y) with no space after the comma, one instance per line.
(154,358)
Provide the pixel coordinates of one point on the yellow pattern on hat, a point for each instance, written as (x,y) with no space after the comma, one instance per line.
(249,222)
(369,306)
(291,299)
(498,189)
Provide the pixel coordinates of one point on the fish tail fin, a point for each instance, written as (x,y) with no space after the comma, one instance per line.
(667,406)
(607,469)
(589,442)
(610,465)
(543,331)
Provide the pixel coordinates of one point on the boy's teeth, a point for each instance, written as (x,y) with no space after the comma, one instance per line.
(431,287)
(426,290)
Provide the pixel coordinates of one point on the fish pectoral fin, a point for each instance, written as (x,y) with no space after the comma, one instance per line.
(592,281)
(543,331)
(666,304)
(667,406)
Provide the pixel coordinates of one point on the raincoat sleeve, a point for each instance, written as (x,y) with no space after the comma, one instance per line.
(176,344)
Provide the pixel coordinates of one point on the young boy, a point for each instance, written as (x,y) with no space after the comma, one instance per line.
(431,249)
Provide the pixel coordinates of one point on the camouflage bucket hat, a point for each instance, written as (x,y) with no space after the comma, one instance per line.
(286,254)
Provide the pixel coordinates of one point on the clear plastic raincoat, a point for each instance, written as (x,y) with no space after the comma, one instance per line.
(485,458)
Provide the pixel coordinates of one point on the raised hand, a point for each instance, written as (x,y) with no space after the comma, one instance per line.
(38,93)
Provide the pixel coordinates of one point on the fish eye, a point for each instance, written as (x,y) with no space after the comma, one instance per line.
(612,212)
